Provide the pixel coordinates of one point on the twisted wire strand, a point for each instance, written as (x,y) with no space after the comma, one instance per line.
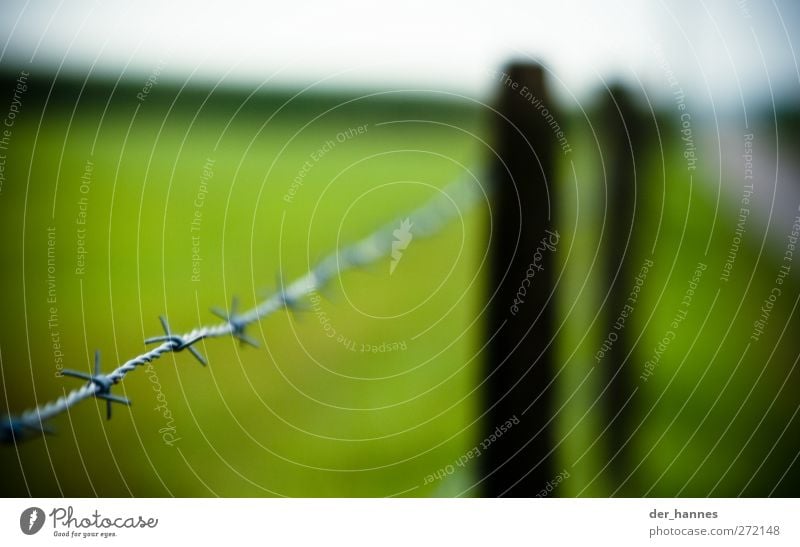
(427,220)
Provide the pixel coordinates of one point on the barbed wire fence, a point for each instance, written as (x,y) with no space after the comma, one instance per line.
(427,220)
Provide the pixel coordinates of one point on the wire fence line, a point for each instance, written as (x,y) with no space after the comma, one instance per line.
(426,221)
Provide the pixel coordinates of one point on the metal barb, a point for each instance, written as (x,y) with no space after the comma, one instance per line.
(237,324)
(177,341)
(102,384)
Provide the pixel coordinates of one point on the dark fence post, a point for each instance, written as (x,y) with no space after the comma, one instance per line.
(623,154)
(519,392)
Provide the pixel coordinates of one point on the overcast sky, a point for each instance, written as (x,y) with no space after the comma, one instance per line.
(720,50)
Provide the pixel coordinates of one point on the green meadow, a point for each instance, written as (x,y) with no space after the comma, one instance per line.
(181,202)
(116,210)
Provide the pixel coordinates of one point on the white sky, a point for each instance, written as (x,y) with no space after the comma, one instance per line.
(715,47)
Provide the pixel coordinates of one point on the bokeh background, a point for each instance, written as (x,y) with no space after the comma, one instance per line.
(212,151)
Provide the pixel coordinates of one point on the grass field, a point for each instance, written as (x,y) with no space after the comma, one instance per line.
(716,416)
(187,200)
(307,414)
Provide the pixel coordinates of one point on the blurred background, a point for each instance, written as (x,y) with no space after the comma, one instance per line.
(161,159)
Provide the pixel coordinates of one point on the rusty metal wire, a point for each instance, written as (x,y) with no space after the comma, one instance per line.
(427,221)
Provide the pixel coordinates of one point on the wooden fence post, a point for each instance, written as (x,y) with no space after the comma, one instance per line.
(623,152)
(519,390)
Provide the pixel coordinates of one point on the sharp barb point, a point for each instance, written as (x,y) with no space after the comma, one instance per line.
(219,313)
(197,355)
(244,339)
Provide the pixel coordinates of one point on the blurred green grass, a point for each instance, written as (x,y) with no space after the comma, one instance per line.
(306,415)
(303,415)
(712,419)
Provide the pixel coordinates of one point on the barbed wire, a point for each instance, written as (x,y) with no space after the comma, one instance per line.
(426,221)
